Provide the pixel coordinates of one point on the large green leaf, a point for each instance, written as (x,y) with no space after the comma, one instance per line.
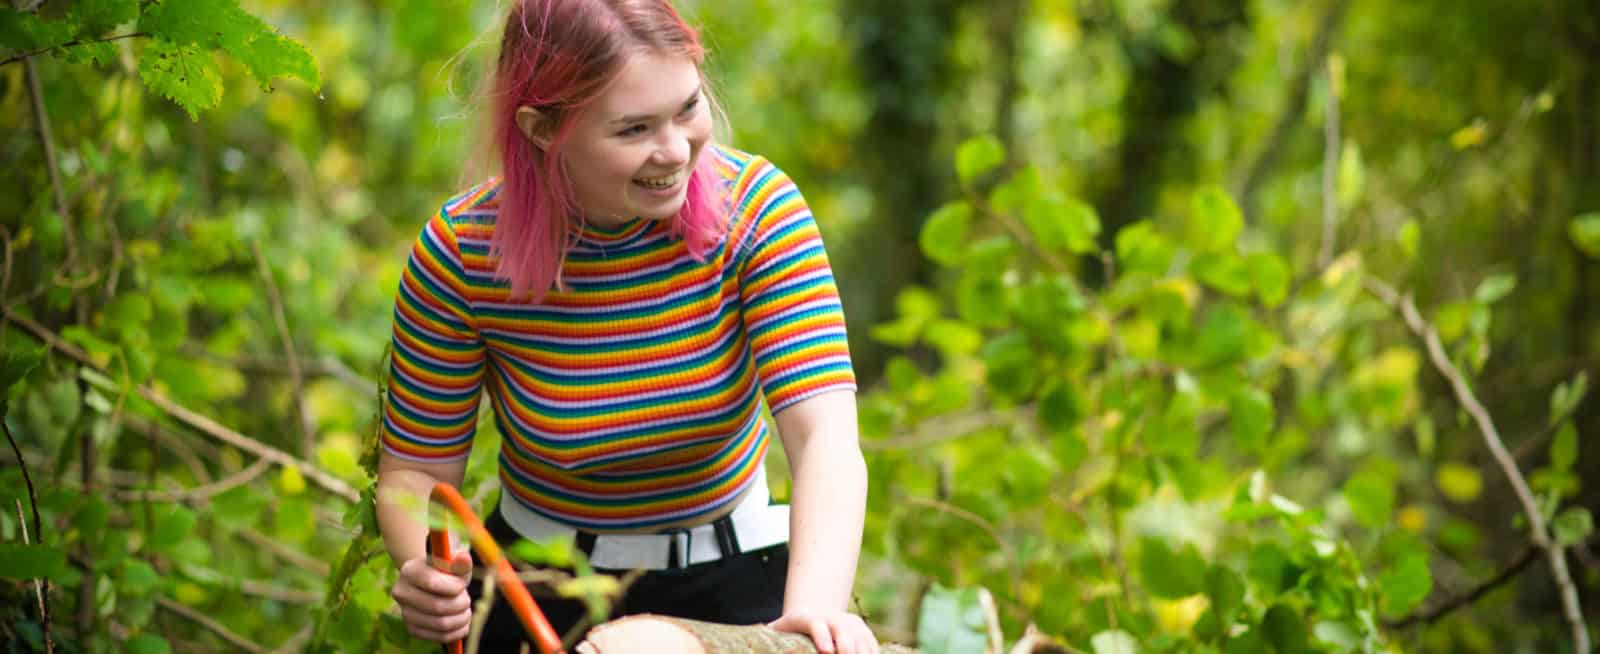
(1404,586)
(1171,574)
(977,156)
(952,621)
(1251,413)
(1585,232)
(186,74)
(172,527)
(1214,221)
(944,235)
(1371,497)
(95,17)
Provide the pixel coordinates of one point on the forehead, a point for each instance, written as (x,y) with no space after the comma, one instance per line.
(650,83)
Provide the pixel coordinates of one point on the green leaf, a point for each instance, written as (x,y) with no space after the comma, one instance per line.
(1062,224)
(1564,449)
(1494,287)
(19,561)
(1585,232)
(1214,221)
(1568,395)
(1460,482)
(294,520)
(148,644)
(1225,272)
(95,17)
(1226,590)
(1284,629)
(1011,366)
(138,578)
(27,31)
(15,363)
(1409,239)
(977,156)
(1113,642)
(1352,175)
(944,235)
(1271,276)
(1169,574)
(1572,526)
(1371,497)
(1140,248)
(1251,413)
(185,74)
(954,338)
(172,527)
(952,621)
(1270,567)
(1061,408)
(1404,586)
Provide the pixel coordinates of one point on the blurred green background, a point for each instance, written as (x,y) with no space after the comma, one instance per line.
(1107,267)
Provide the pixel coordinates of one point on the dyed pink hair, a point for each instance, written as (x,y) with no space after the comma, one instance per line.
(558,56)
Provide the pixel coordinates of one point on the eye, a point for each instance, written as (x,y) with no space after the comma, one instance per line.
(634,130)
(691,106)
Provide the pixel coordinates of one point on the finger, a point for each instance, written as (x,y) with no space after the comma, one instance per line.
(409,596)
(822,635)
(844,638)
(439,623)
(437,582)
(438,636)
(461,563)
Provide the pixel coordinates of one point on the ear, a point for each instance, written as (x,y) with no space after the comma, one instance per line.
(530,122)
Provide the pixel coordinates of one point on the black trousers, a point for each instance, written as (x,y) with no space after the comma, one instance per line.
(743,589)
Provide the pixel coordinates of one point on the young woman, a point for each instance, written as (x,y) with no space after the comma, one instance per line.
(628,292)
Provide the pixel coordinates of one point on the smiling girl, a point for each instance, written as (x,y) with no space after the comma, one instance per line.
(628,293)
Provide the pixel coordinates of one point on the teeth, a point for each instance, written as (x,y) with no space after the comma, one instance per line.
(662,182)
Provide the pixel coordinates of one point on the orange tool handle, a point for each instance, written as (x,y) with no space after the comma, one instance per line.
(439,545)
(506,579)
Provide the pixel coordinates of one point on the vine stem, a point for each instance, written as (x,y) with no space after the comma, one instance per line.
(1556,554)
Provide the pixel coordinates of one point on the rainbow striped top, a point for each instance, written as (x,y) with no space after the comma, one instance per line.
(629,399)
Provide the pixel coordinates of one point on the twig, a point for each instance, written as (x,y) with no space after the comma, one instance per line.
(982,523)
(75,42)
(38,530)
(40,584)
(1330,167)
(480,614)
(279,593)
(314,566)
(1521,563)
(198,493)
(1539,531)
(202,423)
(215,627)
(176,445)
(308,442)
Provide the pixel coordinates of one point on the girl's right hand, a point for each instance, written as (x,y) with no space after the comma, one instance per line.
(433,602)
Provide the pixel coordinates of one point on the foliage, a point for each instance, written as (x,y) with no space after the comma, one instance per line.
(1121,394)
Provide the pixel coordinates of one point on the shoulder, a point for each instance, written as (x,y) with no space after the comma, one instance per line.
(470,213)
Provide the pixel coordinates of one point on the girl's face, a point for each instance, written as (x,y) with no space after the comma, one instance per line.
(630,154)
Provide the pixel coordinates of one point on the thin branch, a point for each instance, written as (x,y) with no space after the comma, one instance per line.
(41,122)
(297,642)
(289,554)
(1491,435)
(75,42)
(981,523)
(176,445)
(183,414)
(213,626)
(41,585)
(326,366)
(1293,106)
(943,429)
(198,493)
(308,442)
(1429,616)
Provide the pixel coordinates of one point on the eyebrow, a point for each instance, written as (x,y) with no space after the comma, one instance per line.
(639,118)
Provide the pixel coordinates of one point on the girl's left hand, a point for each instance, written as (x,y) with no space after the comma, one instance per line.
(834,632)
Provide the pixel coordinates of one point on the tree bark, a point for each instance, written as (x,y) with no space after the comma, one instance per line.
(656,634)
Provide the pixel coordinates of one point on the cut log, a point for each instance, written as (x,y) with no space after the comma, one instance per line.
(657,634)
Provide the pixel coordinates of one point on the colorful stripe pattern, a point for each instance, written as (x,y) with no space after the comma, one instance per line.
(630,399)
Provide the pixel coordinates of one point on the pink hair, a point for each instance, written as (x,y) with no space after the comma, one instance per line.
(558,56)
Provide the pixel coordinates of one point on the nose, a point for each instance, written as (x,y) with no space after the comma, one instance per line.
(673,148)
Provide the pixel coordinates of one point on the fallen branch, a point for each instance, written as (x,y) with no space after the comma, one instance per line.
(94,375)
(1539,531)
(656,634)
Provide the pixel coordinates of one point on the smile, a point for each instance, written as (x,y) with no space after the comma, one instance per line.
(662,183)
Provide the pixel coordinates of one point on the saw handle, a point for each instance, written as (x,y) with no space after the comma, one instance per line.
(506,579)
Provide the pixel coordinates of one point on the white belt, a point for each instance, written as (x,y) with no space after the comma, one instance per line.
(756,525)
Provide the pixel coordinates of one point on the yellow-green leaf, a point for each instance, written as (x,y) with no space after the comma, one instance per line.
(1459,482)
